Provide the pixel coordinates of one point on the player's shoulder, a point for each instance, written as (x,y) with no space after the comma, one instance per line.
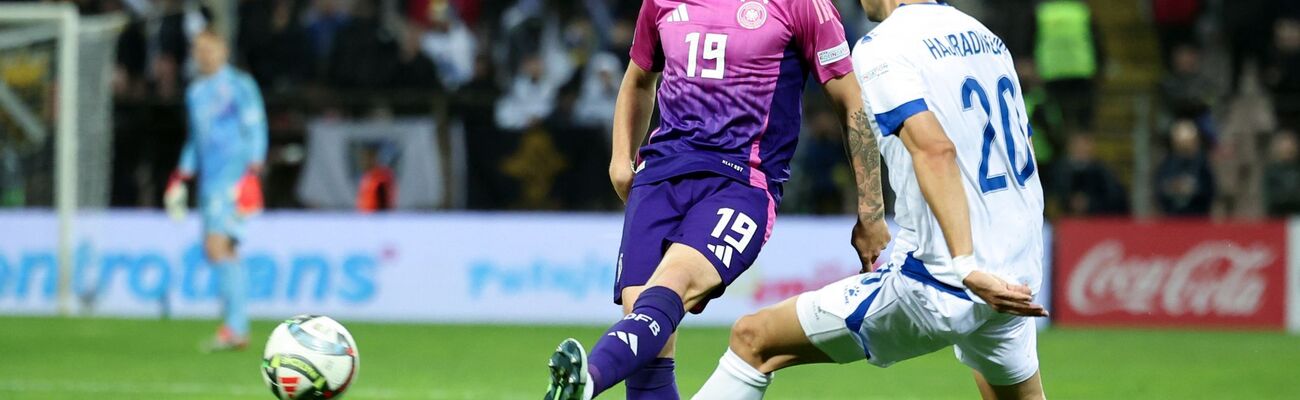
(880,43)
(888,34)
(812,12)
(239,75)
(243,80)
(901,33)
(192,89)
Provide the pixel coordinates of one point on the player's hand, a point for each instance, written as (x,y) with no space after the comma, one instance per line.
(176,195)
(870,239)
(1002,296)
(620,174)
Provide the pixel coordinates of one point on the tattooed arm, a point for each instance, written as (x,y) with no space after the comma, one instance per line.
(870,234)
(864,154)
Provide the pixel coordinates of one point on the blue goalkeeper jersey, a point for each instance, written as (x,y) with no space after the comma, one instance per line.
(227,129)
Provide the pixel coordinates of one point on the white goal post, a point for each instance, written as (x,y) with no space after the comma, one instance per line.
(62,24)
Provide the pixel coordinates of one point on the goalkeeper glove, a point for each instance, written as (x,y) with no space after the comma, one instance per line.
(176,195)
(248,195)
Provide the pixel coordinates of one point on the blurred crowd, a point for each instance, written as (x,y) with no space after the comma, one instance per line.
(1231,142)
(531,84)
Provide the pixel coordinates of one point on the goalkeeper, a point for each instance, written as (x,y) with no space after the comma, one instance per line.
(224,150)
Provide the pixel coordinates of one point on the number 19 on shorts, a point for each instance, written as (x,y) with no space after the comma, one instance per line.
(737,238)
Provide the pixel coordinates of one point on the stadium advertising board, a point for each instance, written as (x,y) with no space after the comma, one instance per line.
(1171,274)
(456,267)
(1293,277)
(440,267)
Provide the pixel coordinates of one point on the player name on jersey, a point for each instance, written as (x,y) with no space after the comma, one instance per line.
(963,44)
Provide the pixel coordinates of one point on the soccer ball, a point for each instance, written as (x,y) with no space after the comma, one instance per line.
(310,357)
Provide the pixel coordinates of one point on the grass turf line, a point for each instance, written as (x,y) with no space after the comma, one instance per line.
(42,358)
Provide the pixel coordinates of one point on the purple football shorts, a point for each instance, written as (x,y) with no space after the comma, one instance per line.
(726,220)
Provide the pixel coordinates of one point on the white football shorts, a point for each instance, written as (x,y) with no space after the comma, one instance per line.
(892,315)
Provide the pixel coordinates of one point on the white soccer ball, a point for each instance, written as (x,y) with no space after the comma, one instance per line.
(310,357)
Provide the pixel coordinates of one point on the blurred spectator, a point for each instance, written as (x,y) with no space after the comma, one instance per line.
(1184,182)
(1012,20)
(450,44)
(422,12)
(602,19)
(600,84)
(531,97)
(1175,22)
(415,70)
(1282,71)
(1044,117)
(554,31)
(620,39)
(1080,185)
(1248,24)
(377,190)
(474,105)
(1186,92)
(364,53)
(822,164)
(166,77)
(274,46)
(580,127)
(1282,175)
(323,20)
(130,73)
(1068,56)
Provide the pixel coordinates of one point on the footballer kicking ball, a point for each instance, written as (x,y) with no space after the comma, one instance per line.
(310,357)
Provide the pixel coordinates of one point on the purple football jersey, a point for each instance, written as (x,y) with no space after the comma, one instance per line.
(730,101)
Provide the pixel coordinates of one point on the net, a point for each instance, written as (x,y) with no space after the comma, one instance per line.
(56,106)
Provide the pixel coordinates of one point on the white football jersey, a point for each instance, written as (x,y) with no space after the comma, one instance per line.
(936,58)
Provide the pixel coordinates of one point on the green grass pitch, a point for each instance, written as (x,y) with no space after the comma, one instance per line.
(48,358)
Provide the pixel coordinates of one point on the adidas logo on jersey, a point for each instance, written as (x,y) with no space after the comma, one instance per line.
(629,338)
(679,14)
(723,253)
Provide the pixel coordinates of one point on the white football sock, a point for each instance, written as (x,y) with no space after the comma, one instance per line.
(734,380)
(589,391)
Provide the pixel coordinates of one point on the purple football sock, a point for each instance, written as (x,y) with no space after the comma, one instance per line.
(654,382)
(636,341)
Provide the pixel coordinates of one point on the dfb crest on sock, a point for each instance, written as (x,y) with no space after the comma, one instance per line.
(654,325)
(645,330)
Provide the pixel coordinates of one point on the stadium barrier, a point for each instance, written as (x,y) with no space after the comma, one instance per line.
(559,268)
(1187,274)
(437,267)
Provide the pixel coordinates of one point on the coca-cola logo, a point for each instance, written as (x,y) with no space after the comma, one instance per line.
(1219,278)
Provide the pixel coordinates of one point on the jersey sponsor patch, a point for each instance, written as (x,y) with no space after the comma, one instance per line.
(875,72)
(833,54)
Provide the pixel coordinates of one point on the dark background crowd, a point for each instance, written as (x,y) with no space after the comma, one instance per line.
(1148,108)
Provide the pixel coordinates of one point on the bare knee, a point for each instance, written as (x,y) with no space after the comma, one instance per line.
(217,248)
(1029,389)
(749,339)
(687,272)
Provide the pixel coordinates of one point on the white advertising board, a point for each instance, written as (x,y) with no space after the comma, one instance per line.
(440,267)
(1293,276)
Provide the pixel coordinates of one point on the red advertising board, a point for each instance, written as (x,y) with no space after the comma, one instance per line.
(1170,274)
